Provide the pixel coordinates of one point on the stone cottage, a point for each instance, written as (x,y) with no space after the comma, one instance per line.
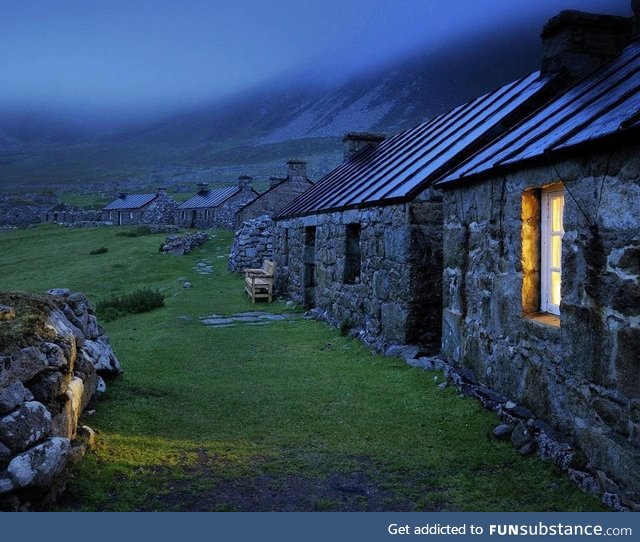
(281,191)
(542,261)
(364,245)
(141,209)
(215,208)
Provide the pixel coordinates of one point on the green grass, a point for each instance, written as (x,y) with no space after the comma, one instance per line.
(239,417)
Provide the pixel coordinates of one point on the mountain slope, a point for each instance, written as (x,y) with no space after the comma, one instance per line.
(257,131)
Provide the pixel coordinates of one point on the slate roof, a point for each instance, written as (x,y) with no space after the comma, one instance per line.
(605,104)
(131,201)
(210,198)
(271,188)
(401,166)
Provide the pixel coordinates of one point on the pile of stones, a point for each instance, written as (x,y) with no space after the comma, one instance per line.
(253,243)
(48,377)
(176,244)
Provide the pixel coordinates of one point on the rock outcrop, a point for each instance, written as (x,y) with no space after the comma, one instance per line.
(53,358)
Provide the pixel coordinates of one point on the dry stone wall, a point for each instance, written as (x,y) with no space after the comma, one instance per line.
(583,375)
(253,243)
(53,357)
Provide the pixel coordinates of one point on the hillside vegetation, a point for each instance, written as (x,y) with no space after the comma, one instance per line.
(285,415)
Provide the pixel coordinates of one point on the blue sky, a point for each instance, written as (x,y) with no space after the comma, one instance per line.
(137,55)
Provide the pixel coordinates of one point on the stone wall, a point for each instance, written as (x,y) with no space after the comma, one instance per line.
(179,245)
(274,199)
(253,243)
(23,210)
(225,215)
(72,215)
(580,373)
(160,211)
(53,355)
(397,296)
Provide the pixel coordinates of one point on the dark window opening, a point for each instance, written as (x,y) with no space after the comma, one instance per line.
(310,256)
(285,247)
(353,258)
(310,236)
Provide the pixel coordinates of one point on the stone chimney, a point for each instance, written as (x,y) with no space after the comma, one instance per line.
(296,170)
(122,195)
(244,182)
(161,191)
(635,6)
(202,188)
(354,142)
(578,43)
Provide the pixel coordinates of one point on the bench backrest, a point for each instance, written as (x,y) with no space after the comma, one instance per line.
(268,267)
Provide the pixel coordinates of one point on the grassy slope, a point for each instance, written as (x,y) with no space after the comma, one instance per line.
(235,418)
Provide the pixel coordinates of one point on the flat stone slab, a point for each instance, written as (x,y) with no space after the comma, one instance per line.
(249,317)
(203,268)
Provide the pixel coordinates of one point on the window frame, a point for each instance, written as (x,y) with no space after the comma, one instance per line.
(546,246)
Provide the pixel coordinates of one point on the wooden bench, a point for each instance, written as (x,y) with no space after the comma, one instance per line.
(258,283)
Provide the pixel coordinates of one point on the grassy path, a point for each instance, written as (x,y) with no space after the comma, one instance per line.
(283,416)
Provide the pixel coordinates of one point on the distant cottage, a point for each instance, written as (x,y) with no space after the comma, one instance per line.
(281,191)
(215,208)
(136,209)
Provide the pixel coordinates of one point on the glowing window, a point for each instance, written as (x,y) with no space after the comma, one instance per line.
(552,231)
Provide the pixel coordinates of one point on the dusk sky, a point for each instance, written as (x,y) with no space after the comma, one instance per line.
(140,55)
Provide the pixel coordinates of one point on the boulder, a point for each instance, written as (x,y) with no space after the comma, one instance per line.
(102,357)
(11,396)
(54,354)
(28,424)
(520,436)
(39,466)
(502,432)
(23,366)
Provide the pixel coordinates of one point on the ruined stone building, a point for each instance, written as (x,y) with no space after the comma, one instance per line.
(141,209)
(542,259)
(64,213)
(281,191)
(215,208)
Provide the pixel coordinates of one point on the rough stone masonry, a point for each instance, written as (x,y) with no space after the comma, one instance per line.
(53,357)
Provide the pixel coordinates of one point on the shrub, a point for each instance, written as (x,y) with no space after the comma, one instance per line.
(136,302)
(100,250)
(137,232)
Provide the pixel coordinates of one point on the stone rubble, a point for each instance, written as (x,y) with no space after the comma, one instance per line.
(176,244)
(46,382)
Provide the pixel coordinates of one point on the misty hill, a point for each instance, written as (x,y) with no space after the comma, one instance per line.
(256,132)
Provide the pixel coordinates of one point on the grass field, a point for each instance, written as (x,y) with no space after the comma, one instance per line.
(284,416)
